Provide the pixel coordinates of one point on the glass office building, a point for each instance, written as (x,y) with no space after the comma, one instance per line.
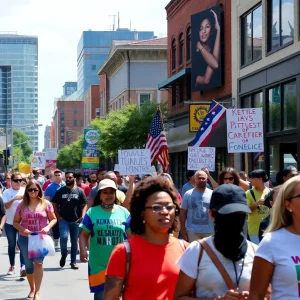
(19,85)
(93,49)
(69,88)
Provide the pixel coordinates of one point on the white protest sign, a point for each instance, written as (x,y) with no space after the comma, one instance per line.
(116,168)
(134,161)
(38,160)
(51,153)
(245,130)
(201,157)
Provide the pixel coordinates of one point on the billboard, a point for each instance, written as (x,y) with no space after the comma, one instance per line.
(207,27)
(90,154)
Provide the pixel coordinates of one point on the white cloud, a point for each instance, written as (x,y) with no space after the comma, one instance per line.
(59,25)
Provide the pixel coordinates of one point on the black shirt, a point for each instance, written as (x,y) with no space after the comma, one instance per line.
(263,226)
(70,202)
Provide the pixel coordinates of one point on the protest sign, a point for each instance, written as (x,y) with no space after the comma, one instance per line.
(38,160)
(50,156)
(201,157)
(245,130)
(134,161)
(90,153)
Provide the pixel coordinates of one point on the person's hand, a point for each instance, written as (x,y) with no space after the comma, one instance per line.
(184,234)
(45,230)
(261,202)
(217,25)
(18,197)
(84,256)
(231,295)
(205,170)
(27,232)
(131,179)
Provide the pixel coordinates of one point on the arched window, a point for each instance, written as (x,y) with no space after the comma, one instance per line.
(181,49)
(188,44)
(174,54)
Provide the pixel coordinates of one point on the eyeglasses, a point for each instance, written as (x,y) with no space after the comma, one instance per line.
(228,178)
(17,180)
(156,208)
(32,190)
(297,196)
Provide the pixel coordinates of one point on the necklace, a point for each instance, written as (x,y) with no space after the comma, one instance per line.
(107,206)
(238,278)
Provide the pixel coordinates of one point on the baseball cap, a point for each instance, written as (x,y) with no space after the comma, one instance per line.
(57,171)
(229,198)
(107,183)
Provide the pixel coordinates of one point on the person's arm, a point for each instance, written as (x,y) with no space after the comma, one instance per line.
(113,288)
(209,58)
(56,212)
(256,204)
(51,217)
(8,204)
(213,183)
(2,223)
(244,184)
(18,226)
(129,193)
(182,218)
(83,245)
(262,272)
(83,202)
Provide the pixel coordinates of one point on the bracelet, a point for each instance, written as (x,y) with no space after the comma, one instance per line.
(201,49)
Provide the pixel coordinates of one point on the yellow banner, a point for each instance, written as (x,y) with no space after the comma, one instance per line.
(93,160)
(197,114)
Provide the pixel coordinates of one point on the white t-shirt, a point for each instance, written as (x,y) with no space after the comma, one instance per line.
(210,283)
(282,249)
(6,197)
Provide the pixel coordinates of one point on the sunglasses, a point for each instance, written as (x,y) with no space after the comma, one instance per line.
(8,178)
(156,208)
(228,178)
(32,190)
(17,180)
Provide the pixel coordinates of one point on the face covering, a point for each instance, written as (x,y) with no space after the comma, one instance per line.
(69,182)
(229,235)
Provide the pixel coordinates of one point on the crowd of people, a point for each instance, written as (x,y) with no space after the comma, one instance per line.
(232,238)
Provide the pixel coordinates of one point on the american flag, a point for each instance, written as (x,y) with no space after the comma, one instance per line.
(215,114)
(157,142)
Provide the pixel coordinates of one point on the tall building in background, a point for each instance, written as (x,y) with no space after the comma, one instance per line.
(69,88)
(47,137)
(19,84)
(93,49)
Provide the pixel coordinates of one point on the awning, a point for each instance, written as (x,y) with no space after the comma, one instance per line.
(170,81)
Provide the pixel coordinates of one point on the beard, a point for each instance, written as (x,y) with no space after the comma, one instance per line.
(69,182)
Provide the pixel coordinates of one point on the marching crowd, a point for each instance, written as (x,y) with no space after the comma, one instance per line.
(234,238)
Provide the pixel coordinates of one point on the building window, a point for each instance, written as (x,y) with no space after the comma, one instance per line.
(75,111)
(97,112)
(144,98)
(188,44)
(74,123)
(174,96)
(93,67)
(289,105)
(281,23)
(181,49)
(255,100)
(252,36)
(174,55)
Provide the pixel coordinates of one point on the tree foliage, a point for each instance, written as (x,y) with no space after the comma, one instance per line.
(22,150)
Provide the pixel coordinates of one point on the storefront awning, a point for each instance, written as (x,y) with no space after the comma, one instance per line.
(172,80)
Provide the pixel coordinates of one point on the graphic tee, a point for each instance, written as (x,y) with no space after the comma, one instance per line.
(153,271)
(197,206)
(6,197)
(281,248)
(259,213)
(107,229)
(34,221)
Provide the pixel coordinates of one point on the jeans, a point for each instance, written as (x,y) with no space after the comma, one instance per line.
(11,234)
(23,244)
(99,295)
(55,231)
(65,228)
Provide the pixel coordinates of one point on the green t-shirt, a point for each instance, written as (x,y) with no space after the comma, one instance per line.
(107,229)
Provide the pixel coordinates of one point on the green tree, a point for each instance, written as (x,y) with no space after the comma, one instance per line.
(22,150)
(126,128)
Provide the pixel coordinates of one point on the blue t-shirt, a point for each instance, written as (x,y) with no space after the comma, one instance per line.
(52,188)
(197,205)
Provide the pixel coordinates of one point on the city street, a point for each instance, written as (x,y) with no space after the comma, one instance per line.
(57,283)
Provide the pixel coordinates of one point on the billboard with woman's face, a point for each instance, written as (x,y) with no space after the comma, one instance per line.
(206,50)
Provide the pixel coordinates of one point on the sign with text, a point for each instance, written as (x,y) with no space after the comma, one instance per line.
(245,130)
(201,157)
(90,153)
(38,160)
(50,156)
(134,161)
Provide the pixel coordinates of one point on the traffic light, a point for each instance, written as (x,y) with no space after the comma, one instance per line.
(6,154)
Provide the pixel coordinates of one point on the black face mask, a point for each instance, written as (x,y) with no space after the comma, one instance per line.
(69,182)
(229,235)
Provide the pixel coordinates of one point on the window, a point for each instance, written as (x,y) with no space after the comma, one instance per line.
(174,98)
(274,109)
(289,105)
(93,67)
(181,49)
(74,123)
(97,112)
(188,44)
(144,98)
(254,100)
(174,55)
(75,111)
(281,23)
(252,36)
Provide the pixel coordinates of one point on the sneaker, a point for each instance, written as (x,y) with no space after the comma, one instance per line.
(17,249)
(62,261)
(74,267)
(23,272)
(11,270)
(56,243)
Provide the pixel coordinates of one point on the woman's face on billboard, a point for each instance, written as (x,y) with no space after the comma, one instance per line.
(205,31)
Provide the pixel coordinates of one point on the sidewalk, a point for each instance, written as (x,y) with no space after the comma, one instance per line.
(57,283)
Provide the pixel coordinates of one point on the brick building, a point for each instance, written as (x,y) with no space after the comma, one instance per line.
(91,99)
(178,83)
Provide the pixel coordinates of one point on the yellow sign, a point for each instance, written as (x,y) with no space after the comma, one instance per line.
(90,160)
(197,114)
(24,168)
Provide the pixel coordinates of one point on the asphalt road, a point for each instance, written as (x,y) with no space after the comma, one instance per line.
(57,283)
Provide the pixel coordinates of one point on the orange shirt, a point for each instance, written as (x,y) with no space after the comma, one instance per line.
(153,271)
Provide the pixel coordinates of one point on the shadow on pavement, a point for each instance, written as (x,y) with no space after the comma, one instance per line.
(53,269)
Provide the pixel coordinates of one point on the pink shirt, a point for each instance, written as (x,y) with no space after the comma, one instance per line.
(34,221)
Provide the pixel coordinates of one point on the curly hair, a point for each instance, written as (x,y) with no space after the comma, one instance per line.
(233,172)
(143,190)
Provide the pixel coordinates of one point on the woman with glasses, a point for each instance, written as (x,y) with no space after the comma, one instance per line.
(147,267)
(105,225)
(33,214)
(277,260)
(11,198)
